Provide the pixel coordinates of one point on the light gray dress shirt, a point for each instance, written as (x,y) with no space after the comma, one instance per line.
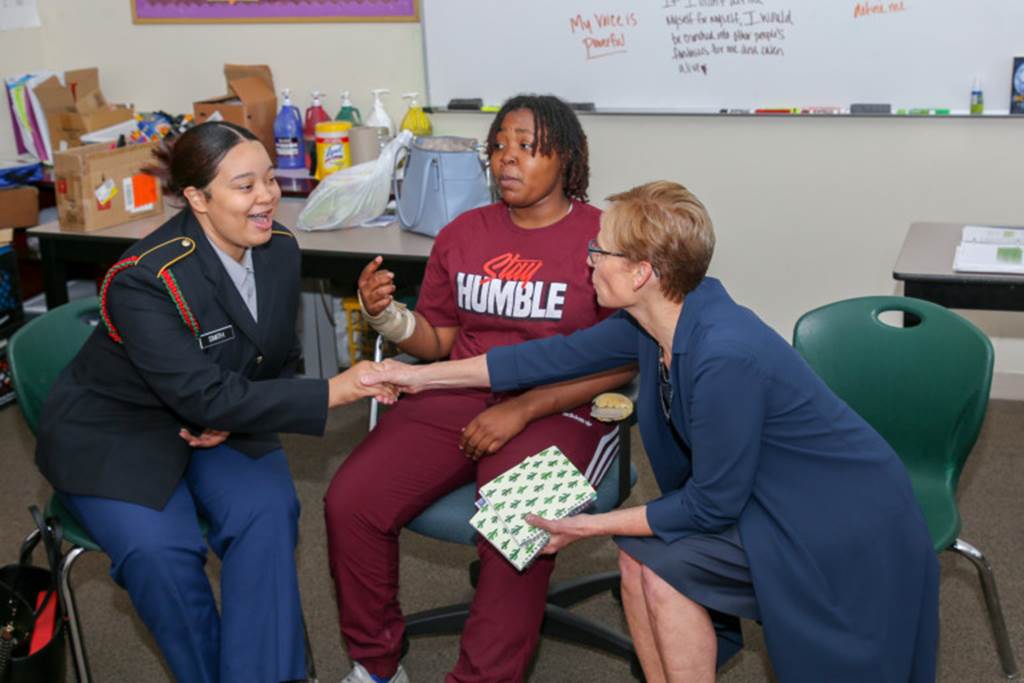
(242,275)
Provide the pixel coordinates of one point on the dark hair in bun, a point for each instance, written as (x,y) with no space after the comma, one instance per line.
(192,159)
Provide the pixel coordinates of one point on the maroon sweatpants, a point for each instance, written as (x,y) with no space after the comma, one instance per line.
(409,461)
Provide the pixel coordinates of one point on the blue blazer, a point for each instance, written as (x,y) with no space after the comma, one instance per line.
(843,567)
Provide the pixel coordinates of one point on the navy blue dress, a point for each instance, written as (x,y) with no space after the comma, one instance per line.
(842,564)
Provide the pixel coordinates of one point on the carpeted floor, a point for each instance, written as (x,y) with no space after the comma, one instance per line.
(434,574)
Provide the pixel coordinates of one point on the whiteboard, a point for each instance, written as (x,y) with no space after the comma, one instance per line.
(707,55)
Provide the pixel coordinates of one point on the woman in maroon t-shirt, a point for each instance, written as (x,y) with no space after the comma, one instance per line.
(498,275)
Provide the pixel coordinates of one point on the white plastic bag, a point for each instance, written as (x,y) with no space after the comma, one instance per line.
(353,195)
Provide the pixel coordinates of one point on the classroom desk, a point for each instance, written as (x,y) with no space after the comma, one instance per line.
(925,266)
(339,254)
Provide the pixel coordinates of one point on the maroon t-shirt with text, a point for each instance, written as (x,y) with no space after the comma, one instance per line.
(501,284)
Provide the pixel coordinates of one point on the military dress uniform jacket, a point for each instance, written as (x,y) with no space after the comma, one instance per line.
(178,347)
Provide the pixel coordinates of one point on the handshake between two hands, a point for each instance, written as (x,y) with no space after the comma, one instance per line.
(385,380)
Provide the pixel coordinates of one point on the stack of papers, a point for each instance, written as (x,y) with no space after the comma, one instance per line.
(546,484)
(990,250)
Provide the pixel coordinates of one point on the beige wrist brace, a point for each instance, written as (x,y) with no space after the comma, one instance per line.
(396,323)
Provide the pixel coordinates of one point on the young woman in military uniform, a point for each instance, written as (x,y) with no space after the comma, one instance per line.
(171,412)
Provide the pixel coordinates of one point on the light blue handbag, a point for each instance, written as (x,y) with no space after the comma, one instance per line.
(444,176)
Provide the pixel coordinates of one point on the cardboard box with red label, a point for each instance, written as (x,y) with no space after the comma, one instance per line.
(98,186)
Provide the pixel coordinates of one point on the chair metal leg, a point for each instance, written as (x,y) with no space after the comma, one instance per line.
(995,611)
(568,593)
(565,625)
(78,653)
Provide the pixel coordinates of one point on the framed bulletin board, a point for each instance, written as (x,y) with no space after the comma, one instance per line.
(249,11)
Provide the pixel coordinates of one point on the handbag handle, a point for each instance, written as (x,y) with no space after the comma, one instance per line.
(423,195)
(52,536)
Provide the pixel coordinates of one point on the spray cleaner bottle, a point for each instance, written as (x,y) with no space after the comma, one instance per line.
(348,112)
(314,114)
(415,119)
(378,117)
(288,135)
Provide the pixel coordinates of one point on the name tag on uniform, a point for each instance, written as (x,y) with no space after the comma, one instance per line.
(217,336)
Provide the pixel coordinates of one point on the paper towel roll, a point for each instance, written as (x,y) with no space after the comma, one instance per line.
(365,143)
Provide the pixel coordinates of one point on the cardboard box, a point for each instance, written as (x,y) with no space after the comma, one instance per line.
(251,102)
(19,207)
(77,107)
(98,187)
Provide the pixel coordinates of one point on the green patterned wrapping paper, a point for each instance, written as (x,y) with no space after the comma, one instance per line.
(546,484)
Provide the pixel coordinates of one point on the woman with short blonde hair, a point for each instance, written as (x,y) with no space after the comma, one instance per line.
(779,503)
(665,224)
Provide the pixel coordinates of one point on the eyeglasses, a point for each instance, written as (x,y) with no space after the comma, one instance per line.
(594,251)
(664,388)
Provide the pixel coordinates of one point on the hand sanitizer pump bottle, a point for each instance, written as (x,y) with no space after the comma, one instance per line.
(314,114)
(378,117)
(416,120)
(288,135)
(348,112)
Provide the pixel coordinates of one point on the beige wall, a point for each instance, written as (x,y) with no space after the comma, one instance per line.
(807,210)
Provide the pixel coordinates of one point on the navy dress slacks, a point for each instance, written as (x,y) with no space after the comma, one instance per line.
(158,556)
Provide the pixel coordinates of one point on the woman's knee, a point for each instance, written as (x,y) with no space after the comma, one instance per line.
(273,508)
(156,557)
(655,589)
(631,572)
(357,495)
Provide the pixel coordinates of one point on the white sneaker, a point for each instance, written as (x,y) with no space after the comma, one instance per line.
(361,675)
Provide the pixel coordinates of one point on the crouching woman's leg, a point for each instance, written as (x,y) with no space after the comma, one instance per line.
(683,601)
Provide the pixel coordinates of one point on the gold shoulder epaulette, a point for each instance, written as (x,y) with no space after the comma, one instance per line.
(166,254)
(283,233)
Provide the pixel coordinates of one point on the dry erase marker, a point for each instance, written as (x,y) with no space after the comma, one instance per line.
(778,110)
(823,110)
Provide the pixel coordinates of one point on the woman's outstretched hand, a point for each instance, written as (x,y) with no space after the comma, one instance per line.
(401,376)
(347,386)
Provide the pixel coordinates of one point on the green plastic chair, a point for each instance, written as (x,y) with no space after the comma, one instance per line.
(924,387)
(38,353)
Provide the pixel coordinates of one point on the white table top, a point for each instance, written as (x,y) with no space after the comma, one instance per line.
(928,251)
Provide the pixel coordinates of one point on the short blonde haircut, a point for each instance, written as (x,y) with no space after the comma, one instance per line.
(664,224)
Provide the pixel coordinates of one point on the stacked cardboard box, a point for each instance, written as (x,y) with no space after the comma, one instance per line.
(77,107)
(251,102)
